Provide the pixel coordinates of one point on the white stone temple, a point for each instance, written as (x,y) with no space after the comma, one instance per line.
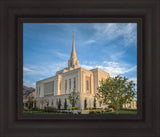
(85,82)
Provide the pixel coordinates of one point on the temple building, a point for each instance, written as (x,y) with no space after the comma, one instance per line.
(85,82)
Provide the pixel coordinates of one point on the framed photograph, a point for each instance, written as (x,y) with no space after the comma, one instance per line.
(54,85)
(84,70)
(99,87)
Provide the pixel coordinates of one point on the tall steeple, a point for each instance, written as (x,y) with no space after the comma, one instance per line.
(73,61)
(73,54)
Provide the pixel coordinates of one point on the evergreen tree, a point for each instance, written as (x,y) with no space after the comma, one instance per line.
(94,102)
(59,104)
(65,104)
(85,103)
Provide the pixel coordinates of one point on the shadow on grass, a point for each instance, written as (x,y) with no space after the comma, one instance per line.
(39,112)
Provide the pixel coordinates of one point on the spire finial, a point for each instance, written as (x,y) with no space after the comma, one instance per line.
(73,34)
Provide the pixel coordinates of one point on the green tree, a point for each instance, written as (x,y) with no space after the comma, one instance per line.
(85,103)
(94,102)
(35,103)
(52,102)
(65,104)
(30,103)
(116,91)
(57,100)
(73,97)
(26,104)
(59,104)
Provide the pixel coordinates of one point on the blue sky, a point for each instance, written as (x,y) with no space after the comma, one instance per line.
(111,47)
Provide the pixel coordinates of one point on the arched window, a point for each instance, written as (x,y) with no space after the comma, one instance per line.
(87,85)
(69,83)
(74,83)
(39,91)
(53,87)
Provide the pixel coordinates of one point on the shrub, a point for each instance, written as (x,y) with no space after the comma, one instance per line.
(111,109)
(25,109)
(92,112)
(98,111)
(34,109)
(89,108)
(69,112)
(102,111)
(50,109)
(42,110)
(74,108)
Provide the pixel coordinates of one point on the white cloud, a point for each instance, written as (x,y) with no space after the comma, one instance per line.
(89,41)
(29,83)
(134,79)
(26,69)
(43,70)
(60,54)
(113,68)
(116,56)
(87,67)
(48,70)
(111,31)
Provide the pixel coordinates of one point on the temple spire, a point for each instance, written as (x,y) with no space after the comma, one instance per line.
(73,54)
(73,62)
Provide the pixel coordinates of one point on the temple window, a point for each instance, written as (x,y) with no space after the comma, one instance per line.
(69,83)
(74,83)
(53,87)
(65,85)
(87,85)
(39,91)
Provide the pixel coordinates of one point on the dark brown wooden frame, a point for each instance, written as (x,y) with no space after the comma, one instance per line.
(19,93)
(144,12)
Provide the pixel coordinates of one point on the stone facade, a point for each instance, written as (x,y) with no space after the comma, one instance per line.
(60,86)
(131,105)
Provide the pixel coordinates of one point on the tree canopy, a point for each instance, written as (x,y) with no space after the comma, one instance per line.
(116,91)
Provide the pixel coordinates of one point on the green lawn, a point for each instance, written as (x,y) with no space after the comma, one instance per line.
(39,112)
(122,112)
